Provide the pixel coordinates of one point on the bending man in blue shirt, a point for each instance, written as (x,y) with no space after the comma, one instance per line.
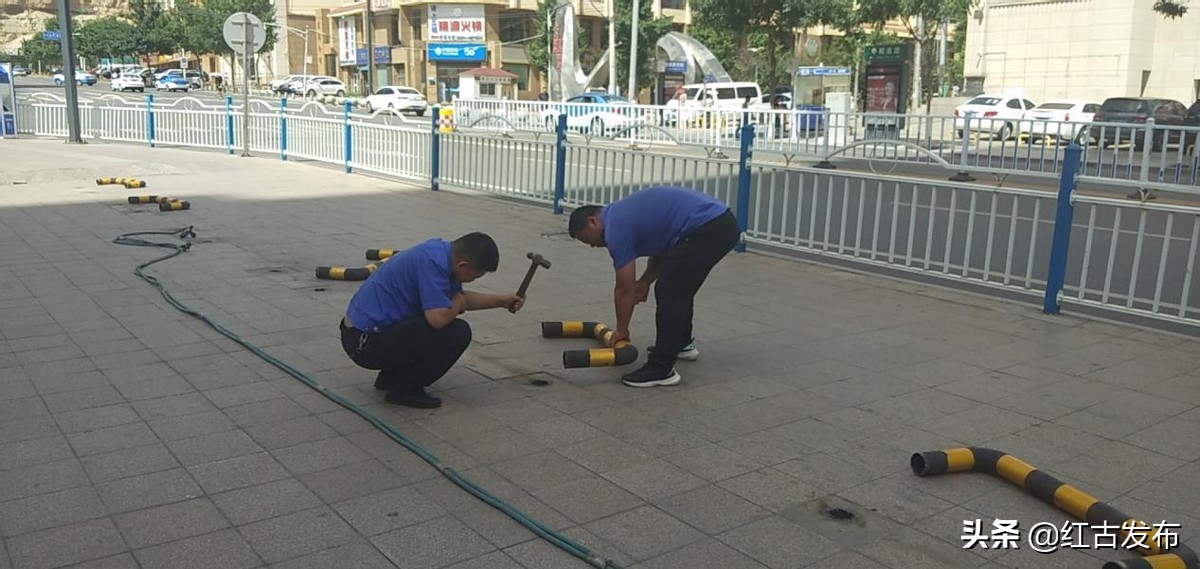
(403,320)
(684,233)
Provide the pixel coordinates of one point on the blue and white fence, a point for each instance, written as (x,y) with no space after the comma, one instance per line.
(1128,256)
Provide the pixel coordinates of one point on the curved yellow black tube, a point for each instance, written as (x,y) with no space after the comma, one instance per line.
(623,353)
(131,183)
(109,180)
(173,205)
(1062,496)
(379,254)
(148,199)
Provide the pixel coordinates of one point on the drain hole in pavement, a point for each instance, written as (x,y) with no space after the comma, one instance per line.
(276,270)
(539,382)
(320,289)
(837,513)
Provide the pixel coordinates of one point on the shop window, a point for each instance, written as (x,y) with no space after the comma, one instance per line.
(522,73)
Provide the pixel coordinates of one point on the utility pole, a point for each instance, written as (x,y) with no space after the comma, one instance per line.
(370,53)
(918,55)
(68,57)
(943,31)
(612,46)
(633,48)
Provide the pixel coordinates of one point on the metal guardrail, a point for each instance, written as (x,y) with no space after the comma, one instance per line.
(1128,256)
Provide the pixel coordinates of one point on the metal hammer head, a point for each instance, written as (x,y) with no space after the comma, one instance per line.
(538,259)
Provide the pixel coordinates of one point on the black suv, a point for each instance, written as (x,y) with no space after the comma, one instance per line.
(1135,111)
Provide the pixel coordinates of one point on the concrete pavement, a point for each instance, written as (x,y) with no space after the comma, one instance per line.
(133,436)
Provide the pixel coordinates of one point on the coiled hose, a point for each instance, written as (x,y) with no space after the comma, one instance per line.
(555,538)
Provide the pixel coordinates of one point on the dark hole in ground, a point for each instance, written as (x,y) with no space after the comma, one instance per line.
(539,382)
(320,289)
(837,513)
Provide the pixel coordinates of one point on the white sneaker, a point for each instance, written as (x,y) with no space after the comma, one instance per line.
(689,352)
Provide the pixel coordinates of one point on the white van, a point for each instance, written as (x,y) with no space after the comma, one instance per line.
(733,95)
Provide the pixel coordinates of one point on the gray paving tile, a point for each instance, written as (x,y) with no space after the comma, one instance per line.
(223,549)
(384,511)
(41,479)
(255,503)
(172,406)
(644,532)
(713,462)
(34,451)
(588,499)
(1119,418)
(653,479)
(777,542)
(213,447)
(237,472)
(169,522)
(19,408)
(770,489)
(80,399)
(358,554)
(109,439)
(706,554)
(49,510)
(896,497)
(122,561)
(298,534)
(319,455)
(128,462)
(147,490)
(541,470)
(275,410)
(494,560)
(284,434)
(188,426)
(435,543)
(96,418)
(368,475)
(65,545)
(28,428)
(712,509)
(152,388)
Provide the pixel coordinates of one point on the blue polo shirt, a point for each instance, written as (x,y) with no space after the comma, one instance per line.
(409,283)
(651,221)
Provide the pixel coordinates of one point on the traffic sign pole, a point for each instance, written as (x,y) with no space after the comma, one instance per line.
(246,51)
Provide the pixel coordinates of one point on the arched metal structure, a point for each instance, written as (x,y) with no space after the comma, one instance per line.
(701,61)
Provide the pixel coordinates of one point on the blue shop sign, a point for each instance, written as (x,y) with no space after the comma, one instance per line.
(675,67)
(457,52)
(383,54)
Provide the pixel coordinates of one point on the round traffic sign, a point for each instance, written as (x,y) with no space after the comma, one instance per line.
(235,32)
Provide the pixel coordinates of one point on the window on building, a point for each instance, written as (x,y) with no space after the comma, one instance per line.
(674,4)
(487,89)
(522,73)
(515,26)
(414,19)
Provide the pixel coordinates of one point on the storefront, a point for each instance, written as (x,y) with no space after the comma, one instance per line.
(450,60)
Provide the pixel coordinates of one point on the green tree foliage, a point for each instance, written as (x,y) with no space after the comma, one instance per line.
(650,29)
(770,26)
(155,30)
(106,37)
(1170,9)
(911,13)
(36,51)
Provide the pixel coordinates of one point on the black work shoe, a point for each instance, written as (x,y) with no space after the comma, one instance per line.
(383,381)
(650,376)
(414,398)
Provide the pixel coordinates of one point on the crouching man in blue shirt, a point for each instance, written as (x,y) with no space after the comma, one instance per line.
(403,320)
(684,233)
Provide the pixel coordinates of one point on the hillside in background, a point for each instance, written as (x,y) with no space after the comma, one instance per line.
(20,19)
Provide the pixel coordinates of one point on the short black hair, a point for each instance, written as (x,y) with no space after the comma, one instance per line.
(479,249)
(579,218)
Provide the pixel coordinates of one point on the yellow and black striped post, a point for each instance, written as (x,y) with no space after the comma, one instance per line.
(148,199)
(380,254)
(1156,555)
(345,274)
(623,353)
(131,183)
(174,205)
(109,180)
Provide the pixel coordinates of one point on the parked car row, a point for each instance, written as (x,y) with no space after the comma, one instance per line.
(309,86)
(1004,116)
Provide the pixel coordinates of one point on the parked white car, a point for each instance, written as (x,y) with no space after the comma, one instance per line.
(1063,119)
(997,115)
(398,98)
(324,86)
(128,82)
(599,114)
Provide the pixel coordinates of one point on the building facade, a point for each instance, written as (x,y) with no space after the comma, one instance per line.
(1084,49)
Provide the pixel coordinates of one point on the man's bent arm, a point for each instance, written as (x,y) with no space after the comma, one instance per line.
(439,318)
(625,295)
(483,300)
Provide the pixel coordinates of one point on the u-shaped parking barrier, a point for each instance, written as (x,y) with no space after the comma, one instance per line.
(174,205)
(621,354)
(148,199)
(1156,555)
(110,180)
(379,254)
(348,274)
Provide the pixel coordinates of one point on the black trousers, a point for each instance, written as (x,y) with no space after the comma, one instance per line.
(683,269)
(411,354)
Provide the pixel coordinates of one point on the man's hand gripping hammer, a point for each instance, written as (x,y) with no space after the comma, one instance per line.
(536,260)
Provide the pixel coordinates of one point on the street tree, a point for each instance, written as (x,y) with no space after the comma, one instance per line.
(109,36)
(922,20)
(155,30)
(650,29)
(37,52)
(1171,9)
(201,21)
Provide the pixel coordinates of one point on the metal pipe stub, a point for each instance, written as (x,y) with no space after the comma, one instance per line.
(1063,496)
(621,354)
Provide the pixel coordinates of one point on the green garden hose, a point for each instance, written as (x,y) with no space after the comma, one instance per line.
(183,234)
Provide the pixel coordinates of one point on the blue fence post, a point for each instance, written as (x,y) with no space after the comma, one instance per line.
(1064,215)
(229,123)
(560,162)
(347,151)
(283,129)
(150,119)
(435,151)
(743,187)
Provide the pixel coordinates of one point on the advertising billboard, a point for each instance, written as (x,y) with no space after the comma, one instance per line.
(347,46)
(456,22)
(8,101)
